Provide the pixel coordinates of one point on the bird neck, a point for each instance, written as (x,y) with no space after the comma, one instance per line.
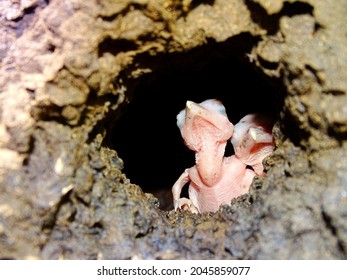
(209,162)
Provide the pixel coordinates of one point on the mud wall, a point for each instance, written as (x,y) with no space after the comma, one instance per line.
(76,75)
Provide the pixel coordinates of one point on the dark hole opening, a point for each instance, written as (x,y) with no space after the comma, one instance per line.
(146,136)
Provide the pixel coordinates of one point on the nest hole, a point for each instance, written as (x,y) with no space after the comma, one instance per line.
(146,136)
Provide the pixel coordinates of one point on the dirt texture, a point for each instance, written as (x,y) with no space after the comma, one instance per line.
(68,68)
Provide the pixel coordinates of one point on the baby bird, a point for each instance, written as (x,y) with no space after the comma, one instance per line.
(214,180)
(253,141)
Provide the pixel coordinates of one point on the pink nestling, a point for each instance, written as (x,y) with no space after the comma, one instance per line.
(214,180)
(252,140)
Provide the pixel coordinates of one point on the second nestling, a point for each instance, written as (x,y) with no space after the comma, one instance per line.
(215,179)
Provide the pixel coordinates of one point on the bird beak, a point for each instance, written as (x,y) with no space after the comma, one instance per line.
(194,110)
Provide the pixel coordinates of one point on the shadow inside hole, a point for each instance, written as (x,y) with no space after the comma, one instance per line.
(147,138)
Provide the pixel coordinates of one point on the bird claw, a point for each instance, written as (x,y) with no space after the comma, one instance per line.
(185,204)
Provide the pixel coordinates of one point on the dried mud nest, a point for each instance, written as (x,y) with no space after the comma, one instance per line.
(86,164)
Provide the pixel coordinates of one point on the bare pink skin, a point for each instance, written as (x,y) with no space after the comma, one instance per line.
(235,181)
(214,180)
(253,141)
